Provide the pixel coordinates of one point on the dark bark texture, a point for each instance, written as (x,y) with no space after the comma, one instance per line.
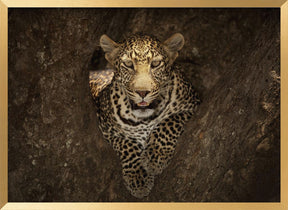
(230,150)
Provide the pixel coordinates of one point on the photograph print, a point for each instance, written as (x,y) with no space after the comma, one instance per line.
(144,105)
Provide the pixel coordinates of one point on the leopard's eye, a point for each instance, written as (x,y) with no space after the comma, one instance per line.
(128,64)
(155,64)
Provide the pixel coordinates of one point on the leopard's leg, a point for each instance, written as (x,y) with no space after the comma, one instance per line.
(162,143)
(137,180)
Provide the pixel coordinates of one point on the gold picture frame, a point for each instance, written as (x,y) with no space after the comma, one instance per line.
(5,4)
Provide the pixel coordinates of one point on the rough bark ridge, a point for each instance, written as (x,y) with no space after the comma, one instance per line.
(229,150)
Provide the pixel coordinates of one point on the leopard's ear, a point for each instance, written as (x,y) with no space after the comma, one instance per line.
(174,44)
(109,47)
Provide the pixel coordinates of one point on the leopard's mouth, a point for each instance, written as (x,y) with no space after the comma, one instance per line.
(144,105)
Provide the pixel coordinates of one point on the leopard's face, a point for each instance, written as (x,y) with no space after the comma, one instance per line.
(143,69)
(142,65)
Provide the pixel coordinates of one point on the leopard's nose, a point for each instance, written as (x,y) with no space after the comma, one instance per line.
(142,93)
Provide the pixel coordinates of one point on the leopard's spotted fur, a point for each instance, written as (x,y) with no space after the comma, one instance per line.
(143,110)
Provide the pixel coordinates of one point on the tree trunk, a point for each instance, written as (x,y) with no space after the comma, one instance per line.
(230,150)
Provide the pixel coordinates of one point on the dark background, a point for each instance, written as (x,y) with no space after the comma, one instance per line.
(230,150)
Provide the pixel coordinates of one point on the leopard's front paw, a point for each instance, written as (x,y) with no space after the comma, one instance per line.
(139,182)
(153,163)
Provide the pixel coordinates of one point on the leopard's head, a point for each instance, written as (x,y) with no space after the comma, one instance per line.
(142,64)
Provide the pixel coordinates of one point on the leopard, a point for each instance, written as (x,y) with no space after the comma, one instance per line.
(143,102)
